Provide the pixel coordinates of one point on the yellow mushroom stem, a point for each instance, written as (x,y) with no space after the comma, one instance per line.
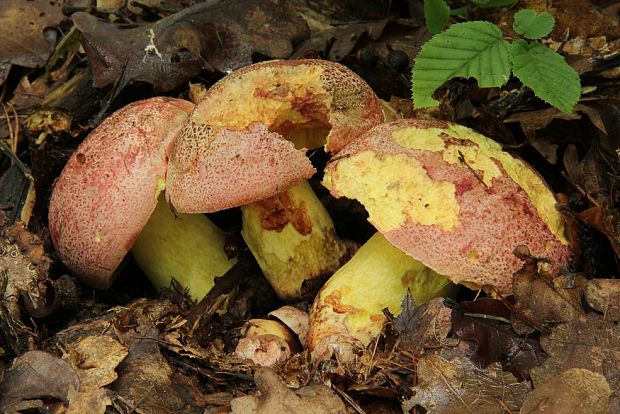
(293,239)
(348,311)
(186,247)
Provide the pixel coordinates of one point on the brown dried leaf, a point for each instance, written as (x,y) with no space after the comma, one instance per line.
(604,296)
(575,391)
(578,18)
(23,276)
(533,121)
(173,50)
(145,370)
(275,398)
(494,338)
(95,358)
(589,342)
(338,41)
(598,169)
(17,194)
(423,326)
(93,402)
(34,375)
(22,26)
(458,386)
(605,220)
(541,303)
(146,381)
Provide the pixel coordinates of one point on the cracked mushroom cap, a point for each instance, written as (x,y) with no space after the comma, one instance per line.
(239,132)
(109,187)
(451,198)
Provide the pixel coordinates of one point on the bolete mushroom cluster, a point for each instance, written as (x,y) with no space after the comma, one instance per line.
(448,204)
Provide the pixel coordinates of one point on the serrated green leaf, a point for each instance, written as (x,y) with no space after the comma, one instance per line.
(528,23)
(436,13)
(546,73)
(468,50)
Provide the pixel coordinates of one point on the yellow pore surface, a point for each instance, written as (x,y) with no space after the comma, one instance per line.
(270,95)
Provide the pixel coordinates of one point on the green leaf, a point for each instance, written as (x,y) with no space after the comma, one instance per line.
(546,73)
(493,3)
(468,50)
(528,23)
(436,13)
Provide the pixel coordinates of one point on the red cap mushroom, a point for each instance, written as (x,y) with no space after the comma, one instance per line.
(236,134)
(447,197)
(109,188)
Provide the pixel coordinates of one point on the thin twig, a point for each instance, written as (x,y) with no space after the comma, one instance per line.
(350,400)
(462,159)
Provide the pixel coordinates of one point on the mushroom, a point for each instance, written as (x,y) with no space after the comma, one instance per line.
(267,342)
(271,341)
(108,192)
(244,145)
(449,198)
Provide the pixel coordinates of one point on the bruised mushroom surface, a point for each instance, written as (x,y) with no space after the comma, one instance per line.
(109,189)
(245,145)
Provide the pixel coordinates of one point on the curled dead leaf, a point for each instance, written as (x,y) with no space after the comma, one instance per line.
(33,376)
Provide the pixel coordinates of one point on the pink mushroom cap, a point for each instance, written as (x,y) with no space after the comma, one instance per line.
(109,187)
(452,199)
(233,150)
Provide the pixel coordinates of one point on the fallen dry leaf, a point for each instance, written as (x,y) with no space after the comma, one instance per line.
(23,279)
(486,323)
(35,375)
(604,218)
(589,342)
(458,386)
(541,303)
(337,42)
(604,296)
(145,369)
(575,391)
(173,50)
(149,383)
(94,359)
(578,18)
(424,326)
(146,382)
(275,397)
(22,31)
(93,402)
